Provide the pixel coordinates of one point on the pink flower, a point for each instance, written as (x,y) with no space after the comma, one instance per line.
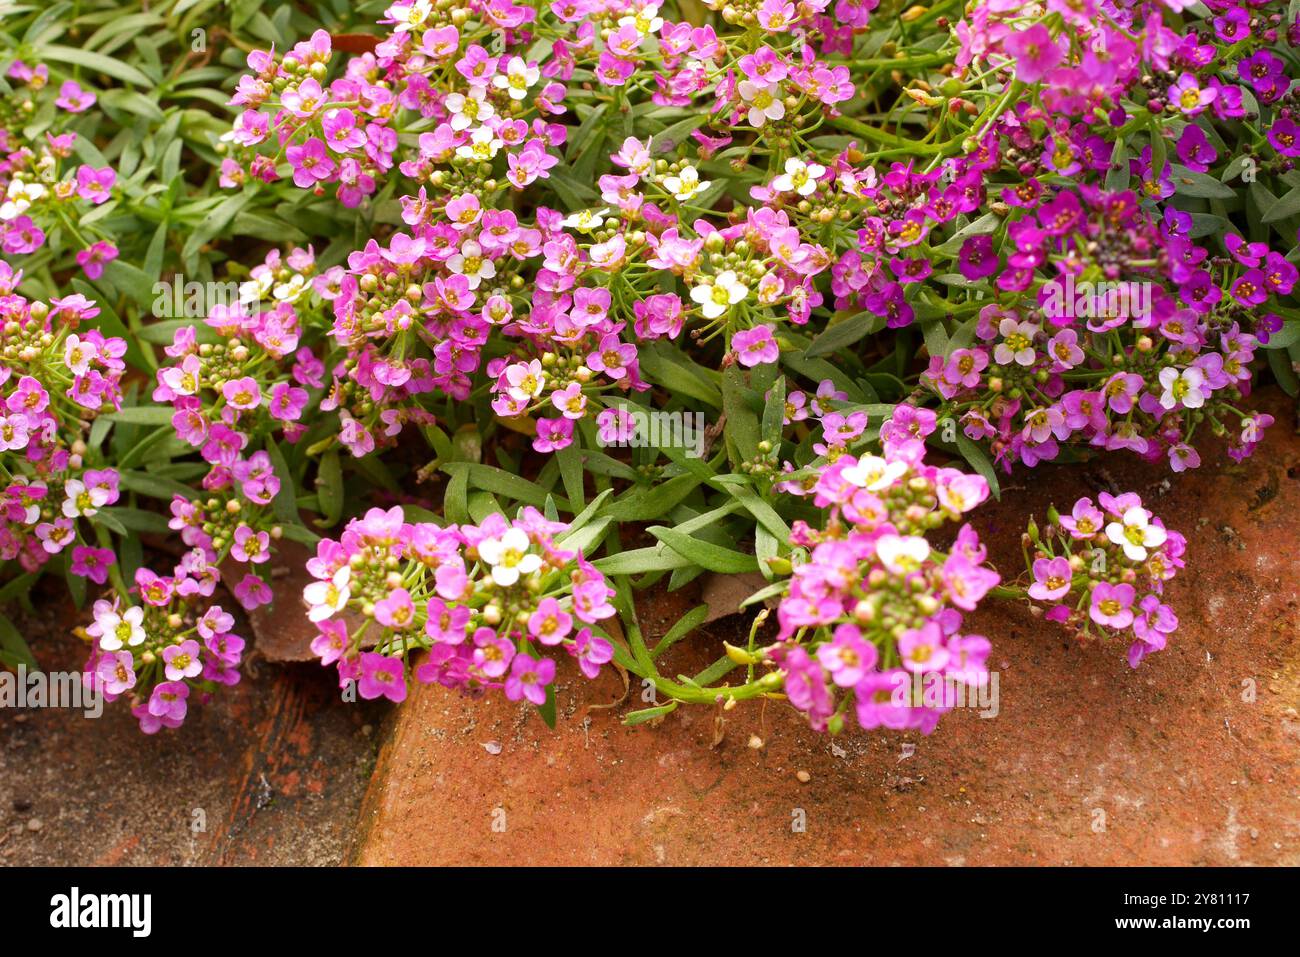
(1112,605)
(242,394)
(847,656)
(529,677)
(94,259)
(397,611)
(116,670)
(553,435)
(549,624)
(251,546)
(73,98)
(755,346)
(1052,579)
(591,652)
(182,661)
(381,676)
(93,185)
(922,649)
(168,701)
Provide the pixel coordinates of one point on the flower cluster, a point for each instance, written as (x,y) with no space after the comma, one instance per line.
(41,189)
(871,622)
(53,382)
(175,645)
(1102,571)
(484,601)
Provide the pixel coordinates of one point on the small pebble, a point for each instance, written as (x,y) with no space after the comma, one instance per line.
(755,742)
(492,747)
(35,824)
(803,776)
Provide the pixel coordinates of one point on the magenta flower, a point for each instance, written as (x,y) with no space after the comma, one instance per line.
(881,700)
(1033,51)
(92,563)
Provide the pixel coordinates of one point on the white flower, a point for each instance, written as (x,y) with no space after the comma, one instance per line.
(292,290)
(873,473)
(685,184)
(410,16)
(81,500)
(20,198)
(586,220)
(716,297)
(902,554)
(78,354)
(482,146)
(1184,387)
(117,630)
(519,76)
(509,557)
(799,177)
(764,101)
(469,110)
(525,380)
(646,21)
(325,598)
(1136,534)
(472,264)
(1017,343)
(32,511)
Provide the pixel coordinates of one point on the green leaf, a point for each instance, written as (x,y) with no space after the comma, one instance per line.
(94,61)
(973,454)
(705,554)
(649,714)
(683,627)
(774,414)
(143,415)
(13,647)
(844,333)
(329,488)
(285,504)
(1199,185)
(1287,206)
(547,708)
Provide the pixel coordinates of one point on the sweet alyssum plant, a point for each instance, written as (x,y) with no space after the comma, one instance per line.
(858,244)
